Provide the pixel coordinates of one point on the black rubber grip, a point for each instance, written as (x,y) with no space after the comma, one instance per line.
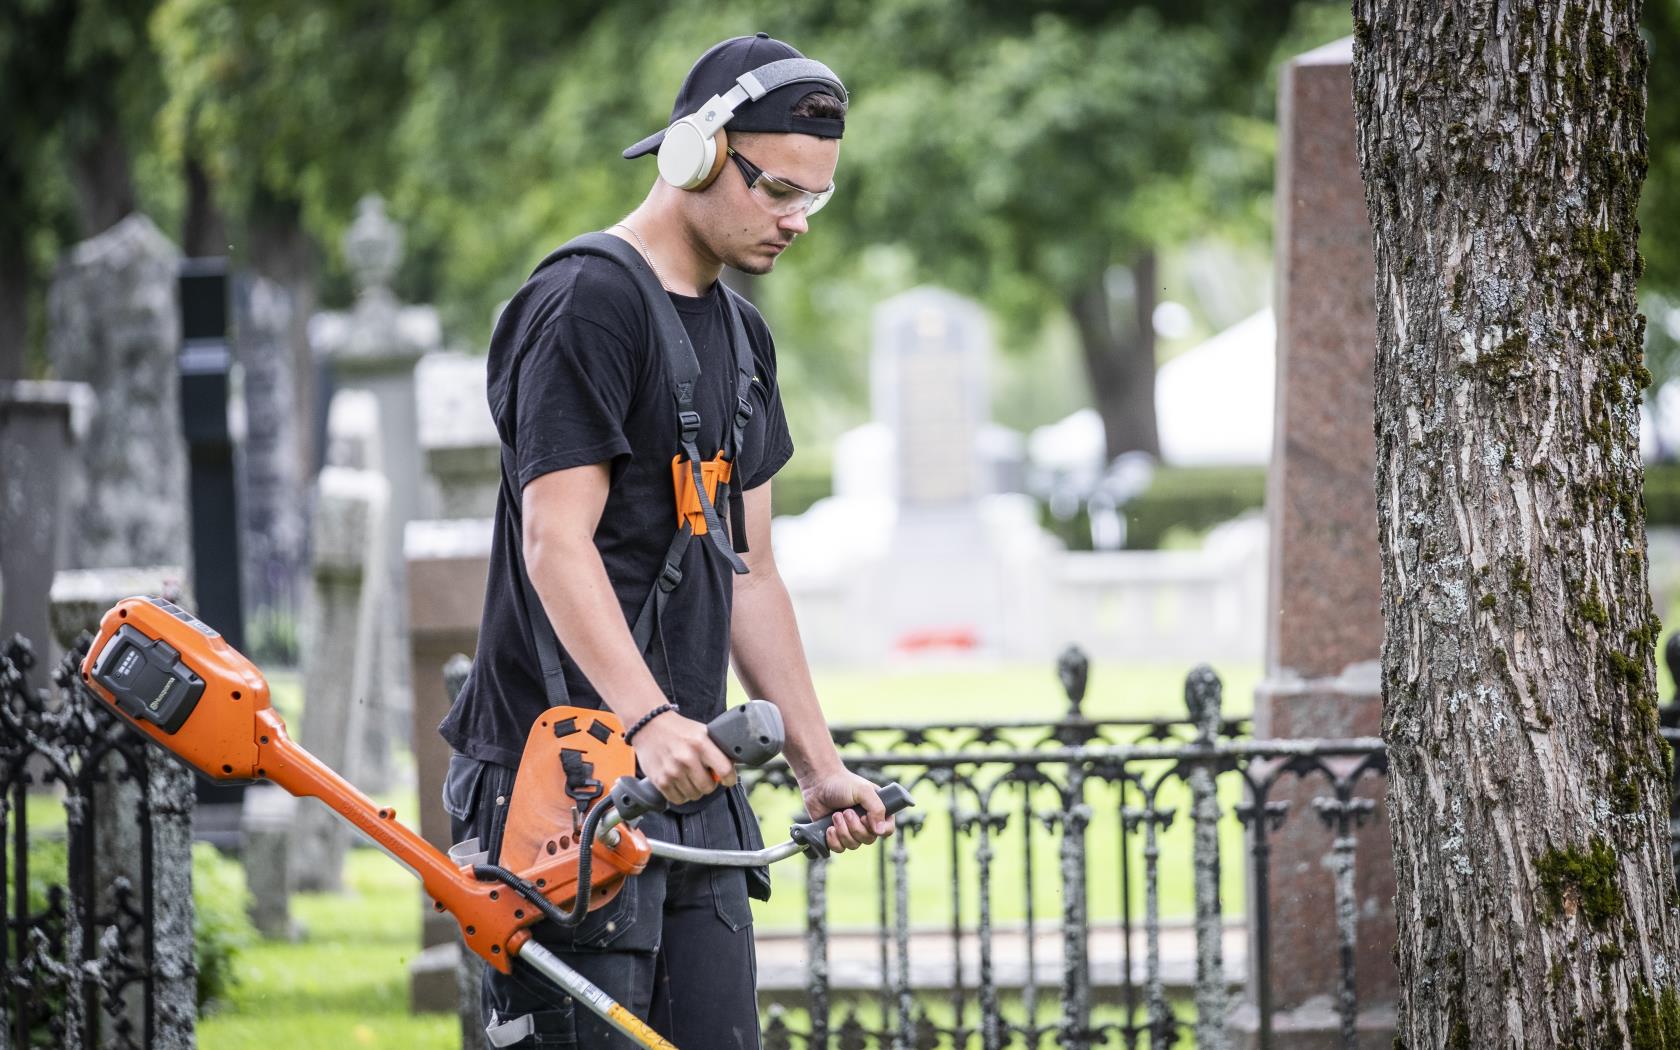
(634,797)
(813,835)
(750,735)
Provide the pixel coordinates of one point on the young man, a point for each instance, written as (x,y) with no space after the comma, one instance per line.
(582,397)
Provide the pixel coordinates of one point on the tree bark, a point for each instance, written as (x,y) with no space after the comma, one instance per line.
(204,229)
(15,281)
(101,174)
(1503,151)
(1120,357)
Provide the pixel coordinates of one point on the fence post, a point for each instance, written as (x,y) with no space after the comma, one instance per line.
(1203,695)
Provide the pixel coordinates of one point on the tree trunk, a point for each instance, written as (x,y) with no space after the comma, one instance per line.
(102,177)
(1503,151)
(204,231)
(282,251)
(15,278)
(1120,357)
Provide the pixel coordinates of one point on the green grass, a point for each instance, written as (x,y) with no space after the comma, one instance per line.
(344,984)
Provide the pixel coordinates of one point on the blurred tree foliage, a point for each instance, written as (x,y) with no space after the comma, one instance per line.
(1038,155)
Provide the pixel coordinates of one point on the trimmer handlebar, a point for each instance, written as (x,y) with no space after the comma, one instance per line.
(812,836)
(751,735)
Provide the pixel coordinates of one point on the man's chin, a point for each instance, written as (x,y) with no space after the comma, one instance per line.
(756,264)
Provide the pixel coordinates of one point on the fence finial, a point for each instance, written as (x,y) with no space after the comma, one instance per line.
(1204,696)
(1073,667)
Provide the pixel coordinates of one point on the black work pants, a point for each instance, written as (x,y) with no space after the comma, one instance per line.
(674,947)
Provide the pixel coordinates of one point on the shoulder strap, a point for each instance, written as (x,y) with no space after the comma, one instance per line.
(745,373)
(542,632)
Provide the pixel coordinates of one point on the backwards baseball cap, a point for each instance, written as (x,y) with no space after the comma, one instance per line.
(718,70)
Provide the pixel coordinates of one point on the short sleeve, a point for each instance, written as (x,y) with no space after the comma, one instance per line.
(778,443)
(575,384)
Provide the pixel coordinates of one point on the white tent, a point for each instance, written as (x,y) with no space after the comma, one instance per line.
(1213,403)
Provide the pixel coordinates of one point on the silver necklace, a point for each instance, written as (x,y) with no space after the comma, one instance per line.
(645,253)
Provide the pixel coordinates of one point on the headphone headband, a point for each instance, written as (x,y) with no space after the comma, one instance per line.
(769,77)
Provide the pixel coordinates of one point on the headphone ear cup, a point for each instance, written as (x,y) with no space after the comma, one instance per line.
(720,154)
(686,156)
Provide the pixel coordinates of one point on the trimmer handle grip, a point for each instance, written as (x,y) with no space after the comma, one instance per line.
(751,735)
(635,797)
(812,836)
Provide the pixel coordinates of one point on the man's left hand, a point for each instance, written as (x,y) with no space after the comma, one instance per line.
(836,793)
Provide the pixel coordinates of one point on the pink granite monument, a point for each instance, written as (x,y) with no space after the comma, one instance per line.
(1324,638)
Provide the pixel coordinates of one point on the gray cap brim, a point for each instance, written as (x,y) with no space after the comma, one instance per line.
(646,146)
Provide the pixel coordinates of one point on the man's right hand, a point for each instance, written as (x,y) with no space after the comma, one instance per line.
(679,757)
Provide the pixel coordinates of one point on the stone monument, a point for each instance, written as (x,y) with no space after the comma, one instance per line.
(1324,639)
(962,569)
(41,424)
(273,529)
(375,348)
(113,324)
(345,611)
(458,440)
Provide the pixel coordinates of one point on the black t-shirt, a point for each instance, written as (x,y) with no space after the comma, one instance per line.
(575,378)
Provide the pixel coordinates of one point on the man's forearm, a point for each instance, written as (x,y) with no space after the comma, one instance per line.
(770,662)
(581,604)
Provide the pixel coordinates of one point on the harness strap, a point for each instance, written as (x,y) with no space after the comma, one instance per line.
(542,632)
(743,415)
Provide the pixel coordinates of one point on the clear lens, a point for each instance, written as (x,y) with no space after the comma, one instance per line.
(783,199)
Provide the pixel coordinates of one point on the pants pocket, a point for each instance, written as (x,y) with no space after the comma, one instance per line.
(749,838)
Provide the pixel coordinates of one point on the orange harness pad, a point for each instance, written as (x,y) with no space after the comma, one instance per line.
(713,472)
(572,758)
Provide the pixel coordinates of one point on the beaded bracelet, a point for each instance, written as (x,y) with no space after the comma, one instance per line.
(645,719)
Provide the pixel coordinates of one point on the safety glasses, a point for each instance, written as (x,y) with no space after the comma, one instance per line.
(780,197)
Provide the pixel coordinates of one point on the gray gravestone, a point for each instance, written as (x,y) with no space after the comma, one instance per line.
(266,825)
(347,605)
(271,488)
(375,348)
(940,586)
(457,437)
(928,382)
(40,425)
(79,600)
(113,324)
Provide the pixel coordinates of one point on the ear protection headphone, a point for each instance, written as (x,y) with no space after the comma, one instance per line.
(692,152)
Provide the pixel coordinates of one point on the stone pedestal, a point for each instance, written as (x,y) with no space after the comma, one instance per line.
(448,563)
(458,437)
(40,426)
(1325,634)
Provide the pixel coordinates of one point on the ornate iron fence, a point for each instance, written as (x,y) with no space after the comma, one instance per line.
(1103,798)
(86,959)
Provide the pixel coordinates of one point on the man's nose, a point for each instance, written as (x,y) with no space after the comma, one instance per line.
(795,223)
